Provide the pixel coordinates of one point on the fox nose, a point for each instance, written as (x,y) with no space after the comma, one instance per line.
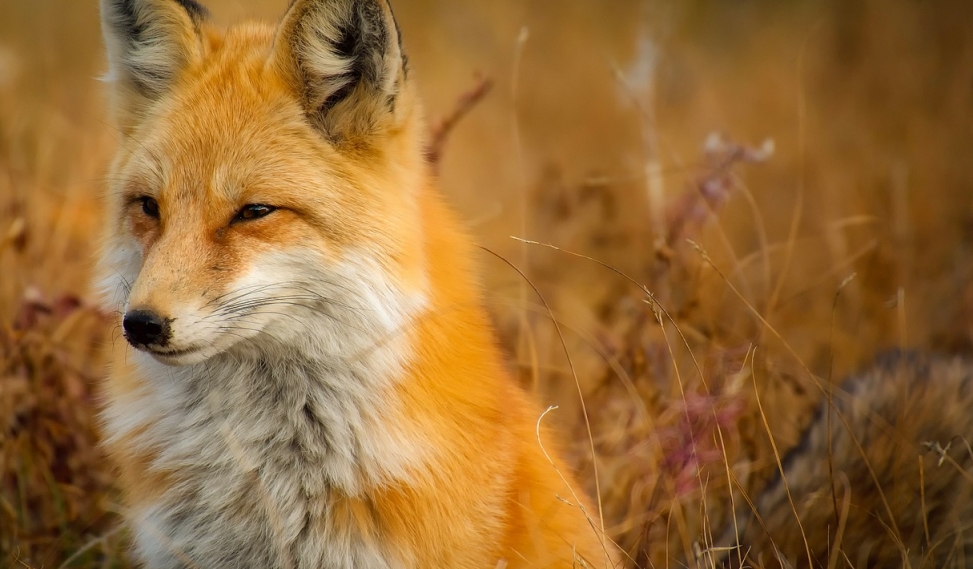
(144,327)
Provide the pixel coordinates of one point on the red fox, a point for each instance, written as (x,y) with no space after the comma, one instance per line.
(887,481)
(314,382)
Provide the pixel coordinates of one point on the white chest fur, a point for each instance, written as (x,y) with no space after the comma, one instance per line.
(257,450)
(260,438)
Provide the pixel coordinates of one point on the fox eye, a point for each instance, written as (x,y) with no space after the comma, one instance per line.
(253,211)
(150,207)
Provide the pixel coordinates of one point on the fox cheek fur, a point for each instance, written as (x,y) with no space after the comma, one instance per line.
(316,383)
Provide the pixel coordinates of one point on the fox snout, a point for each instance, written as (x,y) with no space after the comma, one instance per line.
(146,328)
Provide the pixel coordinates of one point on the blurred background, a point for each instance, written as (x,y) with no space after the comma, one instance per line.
(747,198)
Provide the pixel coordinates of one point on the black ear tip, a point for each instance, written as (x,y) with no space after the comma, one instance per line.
(195,10)
(128,15)
(395,24)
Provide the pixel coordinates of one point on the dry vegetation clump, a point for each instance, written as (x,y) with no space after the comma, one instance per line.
(705,299)
(54,486)
(674,402)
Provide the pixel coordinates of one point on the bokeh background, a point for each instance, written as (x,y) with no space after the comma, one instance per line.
(747,198)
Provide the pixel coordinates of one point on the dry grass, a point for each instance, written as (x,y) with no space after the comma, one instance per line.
(707,280)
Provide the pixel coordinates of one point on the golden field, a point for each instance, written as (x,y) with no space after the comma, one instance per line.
(725,203)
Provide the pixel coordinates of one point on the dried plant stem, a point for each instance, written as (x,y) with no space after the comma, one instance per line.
(584,410)
(442,128)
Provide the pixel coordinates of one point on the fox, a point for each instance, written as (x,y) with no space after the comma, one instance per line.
(310,378)
(882,477)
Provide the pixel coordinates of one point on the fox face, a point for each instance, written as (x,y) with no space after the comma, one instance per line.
(266,175)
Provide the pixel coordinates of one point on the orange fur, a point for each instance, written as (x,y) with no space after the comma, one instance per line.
(232,125)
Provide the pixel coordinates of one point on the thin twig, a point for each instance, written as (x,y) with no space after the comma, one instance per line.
(441,128)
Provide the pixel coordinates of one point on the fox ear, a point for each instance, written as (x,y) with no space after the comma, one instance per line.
(148,43)
(345,61)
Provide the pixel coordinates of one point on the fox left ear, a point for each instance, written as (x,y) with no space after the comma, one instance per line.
(344,58)
(149,42)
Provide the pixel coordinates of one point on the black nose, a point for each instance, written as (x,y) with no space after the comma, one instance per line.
(144,327)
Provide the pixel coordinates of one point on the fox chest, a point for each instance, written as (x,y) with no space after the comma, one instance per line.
(248,484)
(184,537)
(260,516)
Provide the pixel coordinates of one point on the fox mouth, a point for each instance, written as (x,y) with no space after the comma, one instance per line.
(169,353)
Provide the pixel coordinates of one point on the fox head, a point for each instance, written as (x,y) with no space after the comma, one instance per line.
(267,179)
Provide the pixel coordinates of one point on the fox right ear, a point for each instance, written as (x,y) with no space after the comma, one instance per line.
(148,43)
(345,61)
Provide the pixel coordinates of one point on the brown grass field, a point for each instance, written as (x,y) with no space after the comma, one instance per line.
(693,270)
